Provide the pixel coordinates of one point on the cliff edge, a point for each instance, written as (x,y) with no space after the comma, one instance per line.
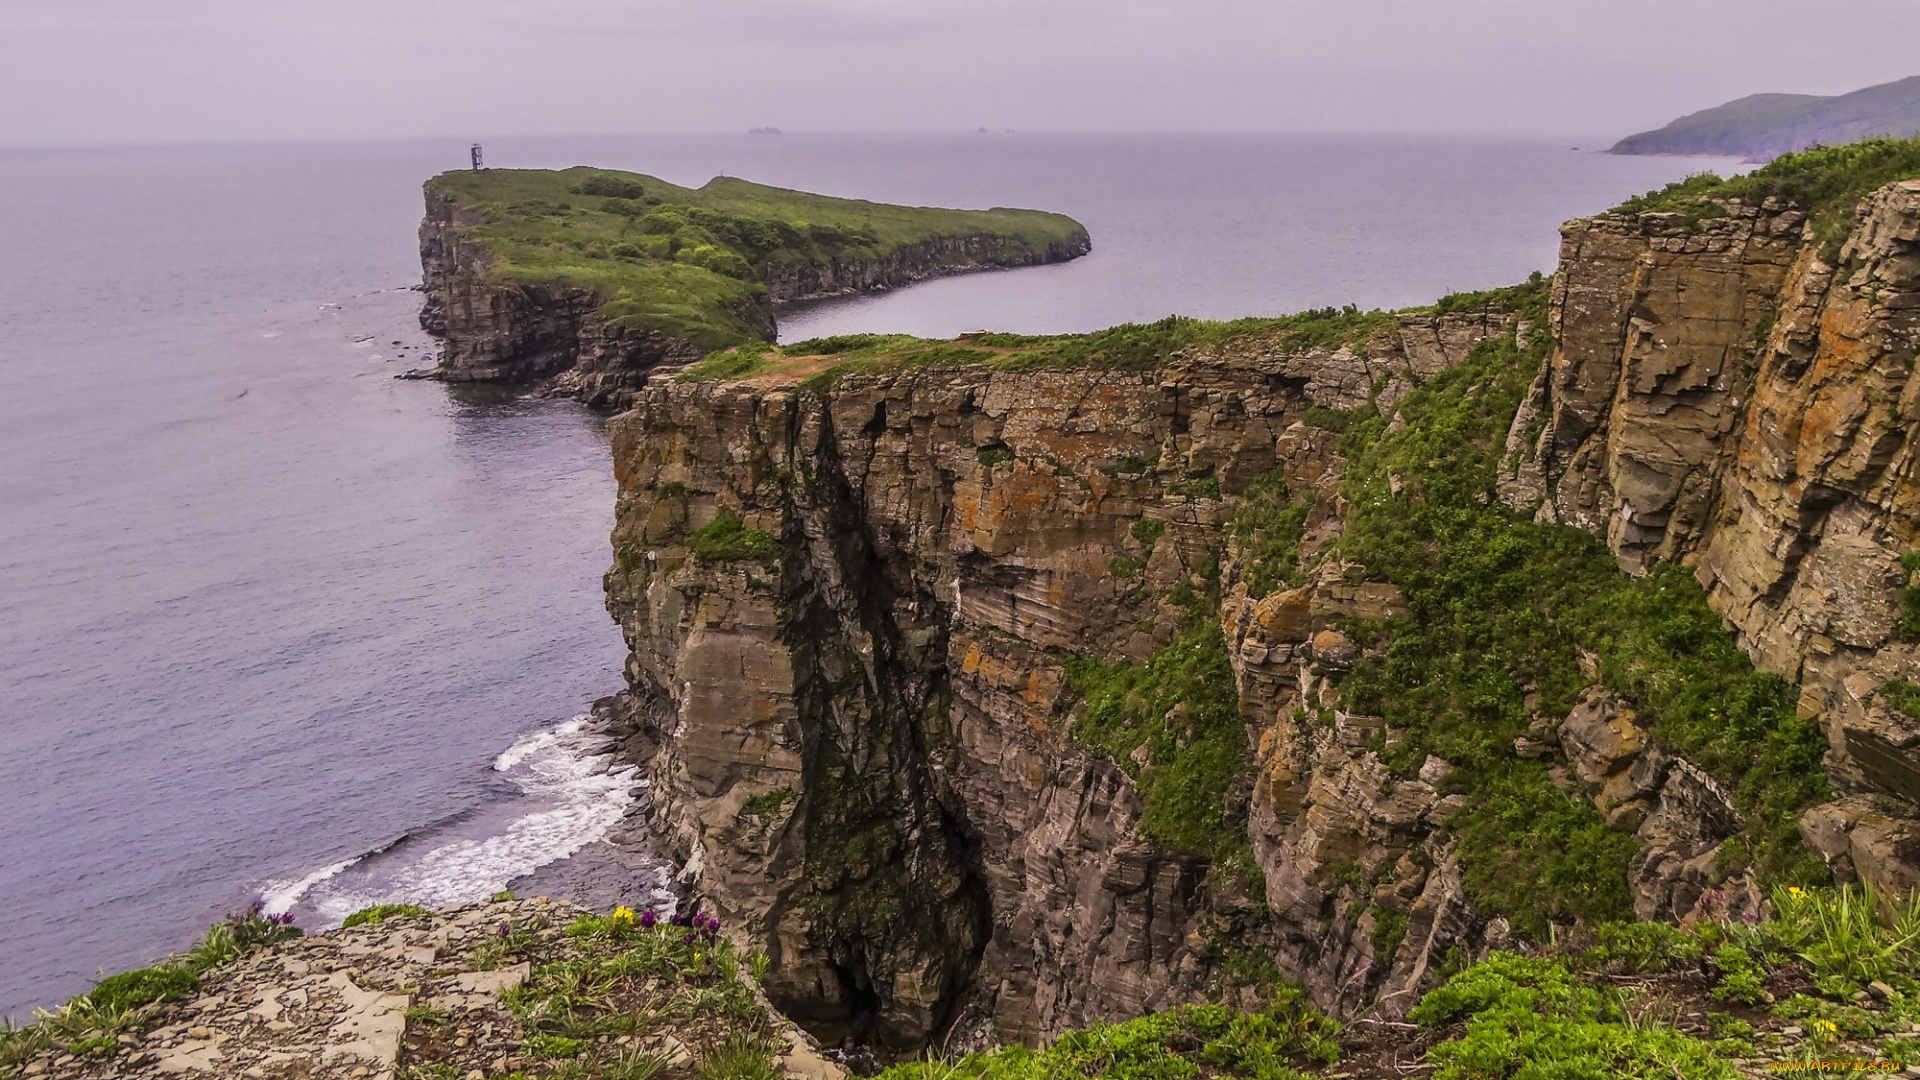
(1008,684)
(591,278)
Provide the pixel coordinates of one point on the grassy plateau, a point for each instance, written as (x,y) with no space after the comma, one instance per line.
(693,262)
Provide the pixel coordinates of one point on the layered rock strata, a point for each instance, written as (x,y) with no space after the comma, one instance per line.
(1725,397)
(865,753)
(864,740)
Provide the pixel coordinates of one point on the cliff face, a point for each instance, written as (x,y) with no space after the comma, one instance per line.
(1725,399)
(494,329)
(940,257)
(867,744)
(868,759)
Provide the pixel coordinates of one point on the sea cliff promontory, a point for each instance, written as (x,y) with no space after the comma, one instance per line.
(1346,647)
(590,278)
(1522,685)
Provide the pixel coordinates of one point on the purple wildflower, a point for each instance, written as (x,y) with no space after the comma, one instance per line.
(678,919)
(504,929)
(648,919)
(690,936)
(1750,917)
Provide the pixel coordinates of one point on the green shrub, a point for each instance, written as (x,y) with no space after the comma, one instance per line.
(768,802)
(1389,930)
(1529,1018)
(1186,1043)
(1268,524)
(611,186)
(1741,977)
(741,1057)
(1902,696)
(1908,626)
(734,363)
(1147,530)
(672,489)
(142,987)
(994,455)
(727,539)
(554,1046)
(1205,487)
(1501,608)
(98,1046)
(1838,935)
(1728,1026)
(380,913)
(1827,181)
(1184,707)
(1904,1051)
(1336,420)
(1650,947)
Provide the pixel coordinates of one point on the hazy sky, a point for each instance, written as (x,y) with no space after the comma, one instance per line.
(152,70)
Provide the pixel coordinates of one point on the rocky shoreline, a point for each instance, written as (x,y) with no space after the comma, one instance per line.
(420,995)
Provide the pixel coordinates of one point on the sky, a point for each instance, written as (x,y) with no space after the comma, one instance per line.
(118,71)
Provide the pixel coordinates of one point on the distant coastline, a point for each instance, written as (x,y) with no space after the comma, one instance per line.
(1761,127)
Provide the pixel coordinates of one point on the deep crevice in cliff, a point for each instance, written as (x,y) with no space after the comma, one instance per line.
(892,884)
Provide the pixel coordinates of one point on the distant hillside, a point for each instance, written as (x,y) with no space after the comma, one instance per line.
(1764,126)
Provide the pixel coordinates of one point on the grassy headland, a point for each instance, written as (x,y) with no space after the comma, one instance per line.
(1826,181)
(688,262)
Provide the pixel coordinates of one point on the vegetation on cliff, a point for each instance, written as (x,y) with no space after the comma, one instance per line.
(1503,612)
(1181,1044)
(1828,182)
(1624,1001)
(822,362)
(1174,724)
(513,989)
(693,263)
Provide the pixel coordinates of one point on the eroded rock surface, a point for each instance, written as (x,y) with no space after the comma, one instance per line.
(410,996)
(865,752)
(864,742)
(1726,397)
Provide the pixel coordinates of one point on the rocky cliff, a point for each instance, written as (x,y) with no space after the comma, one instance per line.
(1002,696)
(868,756)
(521,288)
(1727,399)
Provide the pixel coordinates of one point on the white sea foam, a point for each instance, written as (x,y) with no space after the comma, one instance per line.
(575,792)
(278,896)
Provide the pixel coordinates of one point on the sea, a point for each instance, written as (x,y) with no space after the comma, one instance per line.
(279,628)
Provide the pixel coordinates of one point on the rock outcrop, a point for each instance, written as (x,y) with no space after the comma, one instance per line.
(420,994)
(1726,398)
(864,730)
(492,329)
(865,755)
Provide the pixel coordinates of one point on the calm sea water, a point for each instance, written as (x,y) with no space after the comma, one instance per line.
(273,624)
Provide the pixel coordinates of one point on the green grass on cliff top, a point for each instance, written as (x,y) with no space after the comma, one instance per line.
(820,362)
(691,262)
(1128,347)
(1826,181)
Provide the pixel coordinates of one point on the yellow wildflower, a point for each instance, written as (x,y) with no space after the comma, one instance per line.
(622,913)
